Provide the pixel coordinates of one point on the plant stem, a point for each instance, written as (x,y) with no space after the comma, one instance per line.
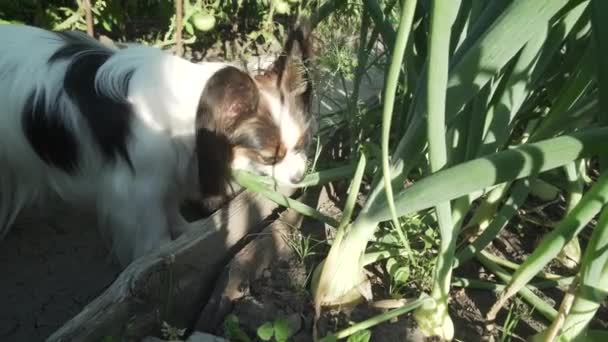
(179,16)
(322,177)
(88,16)
(593,287)
(250,182)
(564,309)
(514,266)
(540,305)
(486,285)
(377,319)
(434,320)
(331,263)
(405,26)
(519,193)
(552,244)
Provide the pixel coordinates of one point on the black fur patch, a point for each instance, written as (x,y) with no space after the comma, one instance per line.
(48,135)
(108,119)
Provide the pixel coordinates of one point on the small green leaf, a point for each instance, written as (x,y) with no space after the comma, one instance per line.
(265,331)
(360,336)
(329,338)
(106,25)
(398,270)
(188,27)
(390,264)
(428,240)
(231,320)
(401,275)
(282,330)
(233,331)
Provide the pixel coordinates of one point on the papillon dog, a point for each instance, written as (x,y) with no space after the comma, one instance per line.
(131,133)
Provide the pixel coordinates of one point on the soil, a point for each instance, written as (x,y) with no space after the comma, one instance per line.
(52,265)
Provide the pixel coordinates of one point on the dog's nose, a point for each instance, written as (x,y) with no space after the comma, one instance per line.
(297,177)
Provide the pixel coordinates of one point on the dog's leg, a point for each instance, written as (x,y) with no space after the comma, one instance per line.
(178,224)
(137,219)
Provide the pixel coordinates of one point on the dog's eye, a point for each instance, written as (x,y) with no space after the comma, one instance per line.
(268,159)
(301,145)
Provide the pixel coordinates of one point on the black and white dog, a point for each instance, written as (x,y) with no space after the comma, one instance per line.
(133,132)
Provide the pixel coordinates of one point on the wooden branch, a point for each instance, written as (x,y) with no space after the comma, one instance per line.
(88,16)
(173,283)
(248,265)
(179,25)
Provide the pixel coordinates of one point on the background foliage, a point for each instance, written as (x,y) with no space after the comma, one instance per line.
(236,27)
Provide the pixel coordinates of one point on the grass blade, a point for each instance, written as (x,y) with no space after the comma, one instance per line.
(518,195)
(405,26)
(250,182)
(377,319)
(591,203)
(539,305)
(571,93)
(593,287)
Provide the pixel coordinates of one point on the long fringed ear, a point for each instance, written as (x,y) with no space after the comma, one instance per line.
(214,155)
(229,97)
(292,66)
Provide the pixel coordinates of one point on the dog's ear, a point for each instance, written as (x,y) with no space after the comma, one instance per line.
(293,64)
(214,154)
(230,96)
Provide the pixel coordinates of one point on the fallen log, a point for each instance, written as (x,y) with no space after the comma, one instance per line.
(173,283)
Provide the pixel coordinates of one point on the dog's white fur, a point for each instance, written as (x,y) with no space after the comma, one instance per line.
(136,209)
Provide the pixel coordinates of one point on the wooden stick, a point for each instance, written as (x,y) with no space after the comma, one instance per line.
(89,16)
(179,15)
(173,283)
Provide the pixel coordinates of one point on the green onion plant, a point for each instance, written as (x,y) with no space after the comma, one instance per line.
(494,99)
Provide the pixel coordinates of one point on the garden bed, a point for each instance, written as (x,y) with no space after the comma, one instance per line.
(254,291)
(493,131)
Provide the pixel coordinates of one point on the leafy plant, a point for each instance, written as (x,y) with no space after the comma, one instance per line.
(513,318)
(233,331)
(170,332)
(303,246)
(279,329)
(360,336)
